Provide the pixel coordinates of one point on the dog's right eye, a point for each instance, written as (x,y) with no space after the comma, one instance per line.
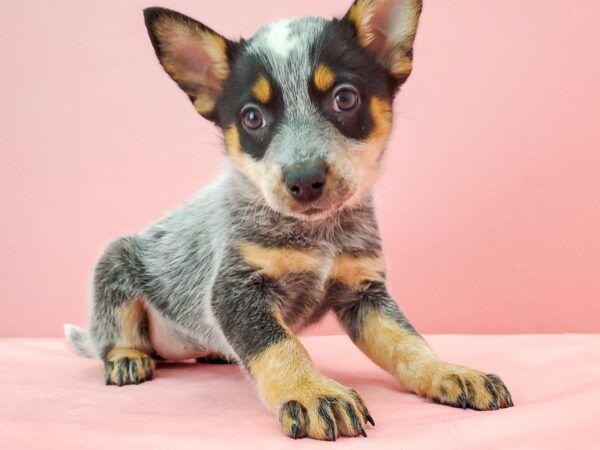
(252,118)
(345,98)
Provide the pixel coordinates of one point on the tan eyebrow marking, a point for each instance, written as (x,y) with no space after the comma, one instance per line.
(323,77)
(262,90)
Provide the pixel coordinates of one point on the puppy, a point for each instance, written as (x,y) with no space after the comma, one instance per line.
(287,232)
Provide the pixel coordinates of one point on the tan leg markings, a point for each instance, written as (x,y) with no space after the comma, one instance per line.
(127,362)
(132,316)
(308,403)
(411,361)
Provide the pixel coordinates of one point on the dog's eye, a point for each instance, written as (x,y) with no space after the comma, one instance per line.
(252,118)
(345,98)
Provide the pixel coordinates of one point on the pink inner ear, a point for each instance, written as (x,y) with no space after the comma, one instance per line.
(196,66)
(379,26)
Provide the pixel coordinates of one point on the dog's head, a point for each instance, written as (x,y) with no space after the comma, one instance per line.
(305,105)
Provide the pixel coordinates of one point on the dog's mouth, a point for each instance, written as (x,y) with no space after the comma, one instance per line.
(313,211)
(314,214)
(318,212)
(331,202)
(321,209)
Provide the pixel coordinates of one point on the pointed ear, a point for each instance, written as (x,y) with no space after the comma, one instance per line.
(388,29)
(196,57)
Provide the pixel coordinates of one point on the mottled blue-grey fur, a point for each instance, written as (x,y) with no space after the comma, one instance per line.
(287,231)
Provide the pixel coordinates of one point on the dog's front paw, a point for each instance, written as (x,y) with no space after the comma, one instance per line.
(324,409)
(127,366)
(462,387)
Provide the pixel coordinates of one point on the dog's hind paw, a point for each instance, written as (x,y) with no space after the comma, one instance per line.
(127,366)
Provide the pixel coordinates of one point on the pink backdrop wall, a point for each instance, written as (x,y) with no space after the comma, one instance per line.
(489,201)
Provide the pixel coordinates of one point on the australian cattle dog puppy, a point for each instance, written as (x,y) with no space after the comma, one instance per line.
(287,232)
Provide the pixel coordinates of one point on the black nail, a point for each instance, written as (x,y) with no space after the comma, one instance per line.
(107,373)
(330,434)
(133,372)
(294,431)
(120,375)
(492,390)
(509,399)
(369,419)
(147,369)
(462,399)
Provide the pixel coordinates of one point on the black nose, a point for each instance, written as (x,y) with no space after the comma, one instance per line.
(305,182)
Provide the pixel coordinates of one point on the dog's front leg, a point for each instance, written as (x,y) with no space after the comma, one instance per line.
(307,402)
(382,332)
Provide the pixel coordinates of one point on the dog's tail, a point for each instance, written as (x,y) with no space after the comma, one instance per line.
(80,340)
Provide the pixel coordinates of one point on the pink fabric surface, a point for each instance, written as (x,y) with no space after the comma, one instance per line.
(51,398)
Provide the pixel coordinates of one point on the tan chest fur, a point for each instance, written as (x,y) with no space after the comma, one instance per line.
(279,262)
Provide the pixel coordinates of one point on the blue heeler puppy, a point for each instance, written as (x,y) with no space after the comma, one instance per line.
(287,232)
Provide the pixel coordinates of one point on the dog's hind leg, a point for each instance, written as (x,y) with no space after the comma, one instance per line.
(119,323)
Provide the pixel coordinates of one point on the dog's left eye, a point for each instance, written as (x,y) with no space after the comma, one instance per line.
(252,118)
(345,98)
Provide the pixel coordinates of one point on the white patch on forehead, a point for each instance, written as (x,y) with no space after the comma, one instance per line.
(277,37)
(284,37)
(284,48)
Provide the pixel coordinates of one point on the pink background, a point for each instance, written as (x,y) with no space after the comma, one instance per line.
(489,201)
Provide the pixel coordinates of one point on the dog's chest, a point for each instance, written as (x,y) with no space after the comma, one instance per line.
(305,293)
(303,276)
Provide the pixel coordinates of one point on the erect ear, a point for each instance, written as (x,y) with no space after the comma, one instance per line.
(388,29)
(196,57)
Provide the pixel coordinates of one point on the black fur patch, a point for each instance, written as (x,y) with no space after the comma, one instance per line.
(237,92)
(352,307)
(339,49)
(242,304)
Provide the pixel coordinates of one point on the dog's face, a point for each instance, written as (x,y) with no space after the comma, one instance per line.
(305,105)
